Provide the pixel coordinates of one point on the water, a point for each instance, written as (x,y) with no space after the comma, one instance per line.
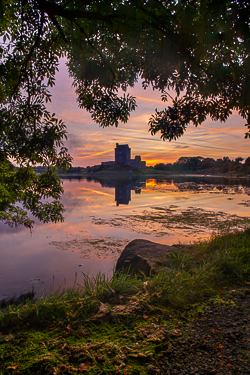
(102,217)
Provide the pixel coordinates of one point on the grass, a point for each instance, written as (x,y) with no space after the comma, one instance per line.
(117,325)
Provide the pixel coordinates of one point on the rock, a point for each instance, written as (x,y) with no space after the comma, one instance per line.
(142,256)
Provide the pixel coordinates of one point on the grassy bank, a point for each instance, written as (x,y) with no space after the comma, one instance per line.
(123,325)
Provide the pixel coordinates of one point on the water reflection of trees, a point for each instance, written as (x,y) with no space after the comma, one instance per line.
(204,183)
(214,184)
(124,185)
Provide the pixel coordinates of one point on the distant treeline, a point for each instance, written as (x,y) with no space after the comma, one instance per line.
(198,163)
(183,164)
(74,170)
(88,169)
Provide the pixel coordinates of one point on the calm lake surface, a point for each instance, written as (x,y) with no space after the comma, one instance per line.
(102,217)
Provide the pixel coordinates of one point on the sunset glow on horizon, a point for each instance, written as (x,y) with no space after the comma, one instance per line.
(89,144)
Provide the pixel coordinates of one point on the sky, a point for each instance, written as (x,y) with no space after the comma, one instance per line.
(90,144)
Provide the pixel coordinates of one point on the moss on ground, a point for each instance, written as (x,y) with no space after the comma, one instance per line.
(127,325)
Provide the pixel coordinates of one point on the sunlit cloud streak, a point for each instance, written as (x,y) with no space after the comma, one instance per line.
(96,154)
(90,145)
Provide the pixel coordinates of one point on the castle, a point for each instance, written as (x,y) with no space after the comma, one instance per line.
(123,157)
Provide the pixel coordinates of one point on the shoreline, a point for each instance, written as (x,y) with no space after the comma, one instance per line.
(116,174)
(192,319)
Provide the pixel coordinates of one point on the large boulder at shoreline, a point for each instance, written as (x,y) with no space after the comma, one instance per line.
(142,256)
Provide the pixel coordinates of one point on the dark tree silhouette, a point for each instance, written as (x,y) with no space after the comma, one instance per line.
(199,49)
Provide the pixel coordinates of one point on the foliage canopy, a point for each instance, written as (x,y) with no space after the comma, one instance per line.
(199,49)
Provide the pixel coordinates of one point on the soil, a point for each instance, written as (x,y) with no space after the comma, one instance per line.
(217,342)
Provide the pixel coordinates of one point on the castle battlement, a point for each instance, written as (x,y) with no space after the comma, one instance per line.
(123,157)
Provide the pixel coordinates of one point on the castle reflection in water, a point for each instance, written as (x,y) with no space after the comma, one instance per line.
(123,190)
(123,193)
(123,187)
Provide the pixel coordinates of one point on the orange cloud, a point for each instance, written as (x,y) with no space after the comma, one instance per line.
(88,143)
(149,99)
(96,154)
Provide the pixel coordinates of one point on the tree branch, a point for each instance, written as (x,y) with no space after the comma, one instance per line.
(71,14)
(28,58)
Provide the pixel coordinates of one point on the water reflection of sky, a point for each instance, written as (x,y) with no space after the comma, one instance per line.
(55,252)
